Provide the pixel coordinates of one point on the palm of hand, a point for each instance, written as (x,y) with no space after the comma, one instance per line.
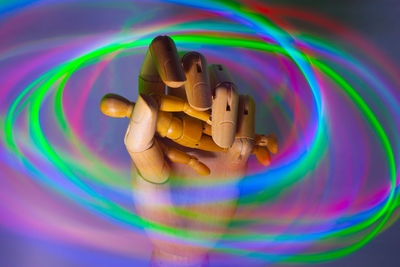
(189,204)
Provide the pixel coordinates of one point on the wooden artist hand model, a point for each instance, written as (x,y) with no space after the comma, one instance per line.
(176,137)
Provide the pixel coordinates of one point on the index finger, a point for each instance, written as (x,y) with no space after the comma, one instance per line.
(224,106)
(197,87)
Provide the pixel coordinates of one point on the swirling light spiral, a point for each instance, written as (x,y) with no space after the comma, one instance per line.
(334,108)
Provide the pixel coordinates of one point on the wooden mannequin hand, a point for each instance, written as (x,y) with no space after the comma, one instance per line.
(183,158)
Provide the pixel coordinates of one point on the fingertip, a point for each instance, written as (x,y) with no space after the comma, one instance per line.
(197,87)
(174,84)
(200,167)
(223,134)
(263,155)
(167,62)
(205,170)
(114,105)
(272,143)
(224,115)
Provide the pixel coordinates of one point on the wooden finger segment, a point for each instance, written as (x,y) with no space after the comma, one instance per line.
(243,145)
(272,143)
(175,104)
(169,125)
(151,87)
(142,125)
(224,115)
(151,163)
(186,131)
(246,117)
(207,129)
(218,74)
(269,141)
(141,144)
(224,106)
(240,150)
(207,143)
(178,156)
(150,82)
(192,132)
(166,61)
(262,155)
(197,86)
(116,106)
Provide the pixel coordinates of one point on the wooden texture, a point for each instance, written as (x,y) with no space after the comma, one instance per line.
(140,143)
(175,104)
(151,164)
(142,125)
(269,141)
(178,156)
(224,106)
(116,106)
(167,61)
(197,87)
(246,117)
(185,130)
(191,204)
(262,154)
(150,82)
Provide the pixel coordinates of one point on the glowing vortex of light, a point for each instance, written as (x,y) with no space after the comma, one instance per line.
(336,115)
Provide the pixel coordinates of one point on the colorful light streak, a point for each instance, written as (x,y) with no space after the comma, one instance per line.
(46,141)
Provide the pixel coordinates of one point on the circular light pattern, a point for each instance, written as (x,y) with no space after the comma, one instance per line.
(331,188)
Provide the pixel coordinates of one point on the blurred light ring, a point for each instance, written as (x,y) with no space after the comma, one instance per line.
(67,69)
(61,74)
